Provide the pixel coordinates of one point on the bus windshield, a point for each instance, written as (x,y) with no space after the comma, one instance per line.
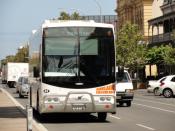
(78,54)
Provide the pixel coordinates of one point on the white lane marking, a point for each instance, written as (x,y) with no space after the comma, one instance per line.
(154,102)
(149,128)
(39,126)
(115,117)
(150,97)
(154,108)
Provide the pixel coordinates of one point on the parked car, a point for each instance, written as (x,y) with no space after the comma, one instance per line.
(167,87)
(153,86)
(22,86)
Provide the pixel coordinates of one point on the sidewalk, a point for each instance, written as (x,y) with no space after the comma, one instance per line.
(12,116)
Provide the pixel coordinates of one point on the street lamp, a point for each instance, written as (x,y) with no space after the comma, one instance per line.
(98,4)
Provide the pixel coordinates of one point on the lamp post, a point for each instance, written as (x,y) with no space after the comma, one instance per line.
(99,6)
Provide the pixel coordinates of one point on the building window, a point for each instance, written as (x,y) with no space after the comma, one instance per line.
(166,2)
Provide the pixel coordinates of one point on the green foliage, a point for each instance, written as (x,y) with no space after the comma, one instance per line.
(161,55)
(22,54)
(169,56)
(130,49)
(75,16)
(67,16)
(64,16)
(10,58)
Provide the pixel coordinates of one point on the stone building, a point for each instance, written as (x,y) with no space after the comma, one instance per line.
(135,11)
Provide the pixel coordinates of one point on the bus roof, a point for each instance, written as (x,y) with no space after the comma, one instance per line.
(70,23)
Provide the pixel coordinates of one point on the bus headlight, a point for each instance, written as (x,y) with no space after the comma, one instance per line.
(104,99)
(51,99)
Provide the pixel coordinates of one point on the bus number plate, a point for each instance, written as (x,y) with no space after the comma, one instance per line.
(78,107)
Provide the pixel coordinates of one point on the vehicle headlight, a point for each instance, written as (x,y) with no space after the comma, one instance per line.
(51,99)
(129,91)
(104,99)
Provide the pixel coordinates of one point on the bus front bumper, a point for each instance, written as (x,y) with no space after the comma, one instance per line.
(78,108)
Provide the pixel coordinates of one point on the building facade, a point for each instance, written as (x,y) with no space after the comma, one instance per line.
(135,11)
(142,13)
(161,29)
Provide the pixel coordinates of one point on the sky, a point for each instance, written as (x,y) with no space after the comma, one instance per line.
(19,17)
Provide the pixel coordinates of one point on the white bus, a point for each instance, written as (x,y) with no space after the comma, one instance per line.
(72,68)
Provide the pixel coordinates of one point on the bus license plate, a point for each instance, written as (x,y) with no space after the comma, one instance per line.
(78,107)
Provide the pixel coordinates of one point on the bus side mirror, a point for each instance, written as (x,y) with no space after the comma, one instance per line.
(120,71)
(35,72)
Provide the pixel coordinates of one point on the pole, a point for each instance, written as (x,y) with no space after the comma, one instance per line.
(29,112)
(98,4)
(29,117)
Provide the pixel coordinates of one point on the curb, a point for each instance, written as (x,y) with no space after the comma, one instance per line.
(38,126)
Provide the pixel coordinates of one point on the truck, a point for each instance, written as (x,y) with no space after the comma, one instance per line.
(12,71)
(124,87)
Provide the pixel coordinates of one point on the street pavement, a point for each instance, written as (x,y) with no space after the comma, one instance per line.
(147,112)
(13,116)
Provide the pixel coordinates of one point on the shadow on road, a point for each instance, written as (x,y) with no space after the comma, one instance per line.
(11,112)
(66,118)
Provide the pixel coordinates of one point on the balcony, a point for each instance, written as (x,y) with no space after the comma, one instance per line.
(161,38)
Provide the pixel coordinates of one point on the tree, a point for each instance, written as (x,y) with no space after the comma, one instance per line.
(130,48)
(10,58)
(75,16)
(67,16)
(22,54)
(64,16)
(162,55)
(169,55)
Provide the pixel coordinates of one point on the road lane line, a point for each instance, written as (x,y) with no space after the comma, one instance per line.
(149,128)
(154,108)
(115,117)
(154,102)
(38,126)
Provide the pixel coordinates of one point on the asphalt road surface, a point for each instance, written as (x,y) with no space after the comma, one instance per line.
(147,113)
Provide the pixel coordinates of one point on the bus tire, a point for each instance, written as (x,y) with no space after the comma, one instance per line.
(102,116)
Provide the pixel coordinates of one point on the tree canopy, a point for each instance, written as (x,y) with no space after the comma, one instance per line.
(161,55)
(67,16)
(130,48)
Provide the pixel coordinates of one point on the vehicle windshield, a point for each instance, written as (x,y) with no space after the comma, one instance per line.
(74,55)
(124,78)
(25,81)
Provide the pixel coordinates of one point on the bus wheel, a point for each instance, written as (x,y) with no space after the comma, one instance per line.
(102,116)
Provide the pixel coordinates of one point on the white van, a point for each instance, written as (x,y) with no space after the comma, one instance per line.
(124,88)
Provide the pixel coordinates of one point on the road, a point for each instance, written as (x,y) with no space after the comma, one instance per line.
(147,113)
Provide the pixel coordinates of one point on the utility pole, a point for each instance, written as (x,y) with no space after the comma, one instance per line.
(99,6)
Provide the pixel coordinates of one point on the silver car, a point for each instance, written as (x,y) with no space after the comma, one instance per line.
(22,86)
